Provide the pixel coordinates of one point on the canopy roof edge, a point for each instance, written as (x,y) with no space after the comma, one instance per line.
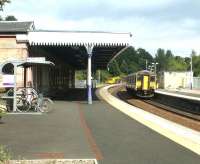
(74,38)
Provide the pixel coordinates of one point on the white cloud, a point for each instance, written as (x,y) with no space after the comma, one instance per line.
(168,24)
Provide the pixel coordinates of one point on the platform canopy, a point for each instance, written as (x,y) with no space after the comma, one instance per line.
(73,45)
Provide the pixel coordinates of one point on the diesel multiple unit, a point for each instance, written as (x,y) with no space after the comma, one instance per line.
(141,84)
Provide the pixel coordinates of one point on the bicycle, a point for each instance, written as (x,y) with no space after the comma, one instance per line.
(29,100)
(44,104)
(2,110)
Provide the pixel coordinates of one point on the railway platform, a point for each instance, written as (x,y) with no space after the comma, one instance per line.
(193,94)
(77,130)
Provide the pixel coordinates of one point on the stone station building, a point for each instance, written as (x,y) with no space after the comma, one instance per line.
(69,50)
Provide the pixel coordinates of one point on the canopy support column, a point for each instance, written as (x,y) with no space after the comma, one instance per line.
(25,75)
(15,89)
(89,49)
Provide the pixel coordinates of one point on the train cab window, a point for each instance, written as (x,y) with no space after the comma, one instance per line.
(139,77)
(153,78)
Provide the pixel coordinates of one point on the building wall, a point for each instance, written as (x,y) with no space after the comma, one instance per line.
(10,49)
(173,80)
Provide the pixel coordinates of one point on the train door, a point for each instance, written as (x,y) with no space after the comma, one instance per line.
(145,83)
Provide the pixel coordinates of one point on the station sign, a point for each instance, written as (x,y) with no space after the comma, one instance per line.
(36,59)
(8,81)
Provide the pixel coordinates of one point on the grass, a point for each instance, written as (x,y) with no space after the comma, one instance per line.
(4,155)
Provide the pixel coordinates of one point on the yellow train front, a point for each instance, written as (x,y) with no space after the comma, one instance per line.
(113,80)
(141,84)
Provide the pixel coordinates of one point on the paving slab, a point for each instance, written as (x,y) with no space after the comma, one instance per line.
(77,130)
(54,135)
(124,140)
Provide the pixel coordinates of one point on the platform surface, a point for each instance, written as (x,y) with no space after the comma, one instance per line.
(78,130)
(183,92)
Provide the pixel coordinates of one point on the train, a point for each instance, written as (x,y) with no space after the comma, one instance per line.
(113,80)
(141,84)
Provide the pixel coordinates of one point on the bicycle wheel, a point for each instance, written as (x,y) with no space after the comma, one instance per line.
(22,105)
(21,101)
(46,106)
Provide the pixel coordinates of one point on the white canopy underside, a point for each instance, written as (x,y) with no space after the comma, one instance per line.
(60,38)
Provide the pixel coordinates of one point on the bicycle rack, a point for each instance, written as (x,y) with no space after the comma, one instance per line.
(29,62)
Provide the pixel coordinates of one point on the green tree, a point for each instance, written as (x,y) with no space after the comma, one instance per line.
(169,54)
(114,68)
(10,18)
(130,61)
(187,61)
(81,75)
(3,2)
(143,57)
(124,67)
(180,64)
(161,59)
(195,63)
(105,75)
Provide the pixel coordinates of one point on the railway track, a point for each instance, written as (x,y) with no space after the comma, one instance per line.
(174,110)
(176,115)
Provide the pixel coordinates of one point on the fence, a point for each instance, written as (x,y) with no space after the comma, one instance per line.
(83,83)
(196,82)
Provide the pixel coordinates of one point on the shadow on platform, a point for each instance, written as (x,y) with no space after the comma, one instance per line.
(75,94)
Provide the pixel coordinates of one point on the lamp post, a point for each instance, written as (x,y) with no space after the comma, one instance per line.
(191,74)
(154,66)
(146,64)
(150,68)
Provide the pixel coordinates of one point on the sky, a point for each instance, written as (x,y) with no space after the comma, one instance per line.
(167,24)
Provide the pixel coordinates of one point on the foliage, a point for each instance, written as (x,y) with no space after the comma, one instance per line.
(196,64)
(3,2)
(105,75)
(134,60)
(130,61)
(81,75)
(162,59)
(4,154)
(168,62)
(10,18)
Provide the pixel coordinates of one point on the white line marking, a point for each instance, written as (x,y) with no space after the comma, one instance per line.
(178,95)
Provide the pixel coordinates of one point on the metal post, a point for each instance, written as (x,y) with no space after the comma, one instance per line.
(146,64)
(191,74)
(25,76)
(99,76)
(89,49)
(89,83)
(15,89)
